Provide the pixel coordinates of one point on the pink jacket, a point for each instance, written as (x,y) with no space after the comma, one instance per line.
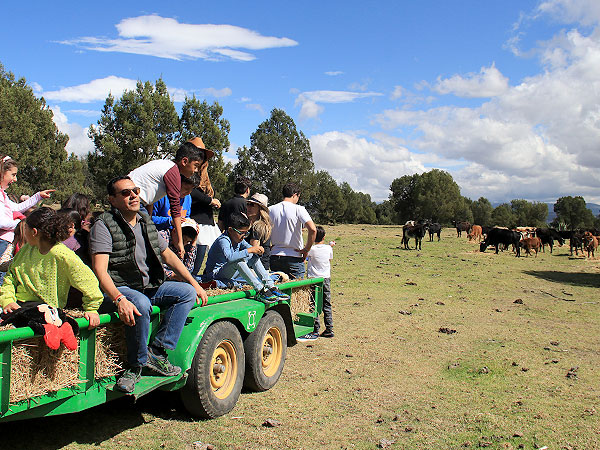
(7,207)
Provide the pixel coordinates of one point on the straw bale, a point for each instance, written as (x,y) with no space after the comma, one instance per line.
(111,350)
(300,301)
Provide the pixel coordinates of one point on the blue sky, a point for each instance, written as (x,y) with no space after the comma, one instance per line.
(503,94)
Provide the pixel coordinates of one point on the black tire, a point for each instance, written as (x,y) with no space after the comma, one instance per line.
(266,348)
(217,373)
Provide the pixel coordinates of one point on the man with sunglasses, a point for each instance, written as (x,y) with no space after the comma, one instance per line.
(231,257)
(127,257)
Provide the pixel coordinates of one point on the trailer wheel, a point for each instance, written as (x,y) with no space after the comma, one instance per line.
(217,373)
(265,348)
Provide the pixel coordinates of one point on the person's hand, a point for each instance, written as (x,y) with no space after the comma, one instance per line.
(180,250)
(127,312)
(94,319)
(303,252)
(257,249)
(46,193)
(215,203)
(202,297)
(10,307)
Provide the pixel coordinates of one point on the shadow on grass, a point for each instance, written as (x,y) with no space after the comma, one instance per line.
(572,278)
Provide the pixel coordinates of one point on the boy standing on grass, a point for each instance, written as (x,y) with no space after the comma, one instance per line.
(319,265)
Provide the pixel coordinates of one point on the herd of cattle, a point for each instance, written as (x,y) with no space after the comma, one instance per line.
(527,238)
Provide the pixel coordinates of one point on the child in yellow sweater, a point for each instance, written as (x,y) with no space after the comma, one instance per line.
(44,269)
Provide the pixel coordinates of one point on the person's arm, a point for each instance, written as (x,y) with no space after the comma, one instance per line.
(175,264)
(160,214)
(8,298)
(29,203)
(172,180)
(127,310)
(312,234)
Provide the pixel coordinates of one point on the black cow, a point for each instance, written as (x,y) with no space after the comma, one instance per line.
(497,236)
(547,236)
(576,242)
(461,226)
(434,228)
(417,232)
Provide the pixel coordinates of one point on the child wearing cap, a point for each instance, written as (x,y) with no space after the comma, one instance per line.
(260,230)
(231,256)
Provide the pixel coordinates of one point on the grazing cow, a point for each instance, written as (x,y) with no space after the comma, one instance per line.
(590,243)
(461,226)
(547,236)
(576,242)
(417,232)
(434,228)
(475,232)
(497,236)
(529,244)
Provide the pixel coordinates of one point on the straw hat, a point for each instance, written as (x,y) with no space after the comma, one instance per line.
(197,142)
(261,200)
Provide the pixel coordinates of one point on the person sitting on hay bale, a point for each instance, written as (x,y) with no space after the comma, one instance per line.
(231,256)
(44,269)
(127,256)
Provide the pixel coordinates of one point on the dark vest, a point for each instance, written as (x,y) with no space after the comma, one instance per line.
(122,267)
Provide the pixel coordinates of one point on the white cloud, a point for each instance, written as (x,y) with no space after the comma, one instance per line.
(214,92)
(397,93)
(368,166)
(255,107)
(84,112)
(79,142)
(97,90)
(586,12)
(334,73)
(539,139)
(309,101)
(164,37)
(489,82)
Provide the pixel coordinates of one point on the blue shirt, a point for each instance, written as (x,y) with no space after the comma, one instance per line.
(161,212)
(224,251)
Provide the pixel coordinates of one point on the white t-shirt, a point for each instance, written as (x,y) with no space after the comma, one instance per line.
(150,179)
(288,219)
(318,261)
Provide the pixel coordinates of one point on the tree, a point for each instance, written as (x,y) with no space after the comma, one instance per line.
(573,212)
(482,211)
(278,153)
(404,197)
(384,212)
(529,214)
(503,216)
(29,135)
(139,127)
(204,120)
(326,204)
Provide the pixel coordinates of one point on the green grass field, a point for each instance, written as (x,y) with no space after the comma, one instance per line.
(499,381)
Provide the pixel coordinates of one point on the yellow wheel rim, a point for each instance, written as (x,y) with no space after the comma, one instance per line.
(272,350)
(224,368)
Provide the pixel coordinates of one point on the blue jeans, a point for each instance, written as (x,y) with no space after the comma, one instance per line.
(3,246)
(177,296)
(242,268)
(291,265)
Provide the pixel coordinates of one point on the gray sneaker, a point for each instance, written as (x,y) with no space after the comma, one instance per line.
(160,364)
(126,382)
(308,337)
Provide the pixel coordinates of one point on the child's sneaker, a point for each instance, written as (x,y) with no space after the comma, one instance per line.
(327,334)
(266,296)
(308,337)
(126,382)
(160,364)
(281,296)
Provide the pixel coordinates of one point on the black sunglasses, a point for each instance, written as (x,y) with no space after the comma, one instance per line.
(127,192)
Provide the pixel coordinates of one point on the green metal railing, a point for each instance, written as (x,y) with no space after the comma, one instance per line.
(91,392)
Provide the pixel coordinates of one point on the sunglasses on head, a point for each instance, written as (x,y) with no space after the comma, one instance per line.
(241,233)
(127,192)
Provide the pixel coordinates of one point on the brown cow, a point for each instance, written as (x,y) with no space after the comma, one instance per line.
(531,244)
(590,243)
(475,232)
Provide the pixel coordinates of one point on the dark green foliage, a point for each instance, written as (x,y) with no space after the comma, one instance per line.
(527,214)
(573,213)
(278,153)
(503,216)
(482,211)
(140,126)
(28,134)
(327,204)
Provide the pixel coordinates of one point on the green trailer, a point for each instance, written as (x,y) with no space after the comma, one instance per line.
(233,341)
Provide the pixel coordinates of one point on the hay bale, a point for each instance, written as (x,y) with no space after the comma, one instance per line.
(111,350)
(300,301)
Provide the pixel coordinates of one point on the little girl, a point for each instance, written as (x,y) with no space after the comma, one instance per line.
(8,175)
(44,269)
